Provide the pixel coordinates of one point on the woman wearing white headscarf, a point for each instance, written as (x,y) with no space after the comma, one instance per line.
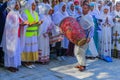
(116,31)
(71,12)
(57,18)
(71,9)
(60,14)
(30,52)
(12,37)
(105,42)
(43,37)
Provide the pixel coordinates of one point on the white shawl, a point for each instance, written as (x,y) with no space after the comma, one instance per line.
(11,33)
(58,16)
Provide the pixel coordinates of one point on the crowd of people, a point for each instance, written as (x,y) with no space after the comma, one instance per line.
(30,31)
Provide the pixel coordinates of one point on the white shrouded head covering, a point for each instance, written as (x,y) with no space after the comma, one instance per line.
(60,7)
(11,4)
(41,8)
(59,15)
(23,2)
(105,16)
(70,12)
(47,8)
(29,4)
(106,7)
(44,8)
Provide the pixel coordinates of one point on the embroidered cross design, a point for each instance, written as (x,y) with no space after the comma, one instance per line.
(116,35)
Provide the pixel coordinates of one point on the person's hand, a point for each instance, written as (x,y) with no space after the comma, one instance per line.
(88,40)
(26,23)
(33,23)
(40,22)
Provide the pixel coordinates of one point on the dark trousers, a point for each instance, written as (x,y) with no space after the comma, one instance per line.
(1,55)
(59,50)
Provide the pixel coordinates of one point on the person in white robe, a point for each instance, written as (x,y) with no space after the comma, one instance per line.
(105,42)
(116,32)
(57,18)
(13,41)
(30,52)
(100,4)
(86,23)
(43,34)
(71,9)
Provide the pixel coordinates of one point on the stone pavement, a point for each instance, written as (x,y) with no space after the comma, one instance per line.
(96,70)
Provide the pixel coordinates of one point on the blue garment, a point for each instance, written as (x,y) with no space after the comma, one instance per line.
(89,32)
(3,14)
(96,32)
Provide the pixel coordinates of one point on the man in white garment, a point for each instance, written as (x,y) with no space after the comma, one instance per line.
(79,51)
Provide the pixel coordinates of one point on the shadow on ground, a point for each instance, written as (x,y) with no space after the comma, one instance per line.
(55,70)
